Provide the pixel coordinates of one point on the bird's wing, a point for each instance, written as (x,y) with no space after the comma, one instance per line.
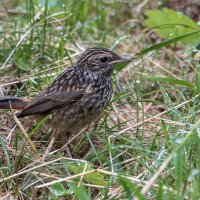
(45,102)
(67,88)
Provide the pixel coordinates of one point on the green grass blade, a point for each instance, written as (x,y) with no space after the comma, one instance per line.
(197,81)
(170,80)
(167,42)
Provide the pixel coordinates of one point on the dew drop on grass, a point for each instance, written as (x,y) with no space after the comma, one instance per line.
(132,25)
(149,194)
(113,13)
(179,140)
(198,132)
(138,81)
(194,173)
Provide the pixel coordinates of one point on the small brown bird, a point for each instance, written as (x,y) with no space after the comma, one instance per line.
(77,96)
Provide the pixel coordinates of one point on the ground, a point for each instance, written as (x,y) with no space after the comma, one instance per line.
(145,146)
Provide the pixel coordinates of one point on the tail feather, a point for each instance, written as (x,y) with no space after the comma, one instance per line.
(15,102)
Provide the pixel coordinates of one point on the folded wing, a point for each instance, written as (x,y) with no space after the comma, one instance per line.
(45,102)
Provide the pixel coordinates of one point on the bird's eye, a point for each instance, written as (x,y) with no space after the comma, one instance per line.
(103,59)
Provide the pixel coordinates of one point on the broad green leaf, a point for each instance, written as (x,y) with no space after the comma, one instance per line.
(171,24)
(59,190)
(94,178)
(80,192)
(171,80)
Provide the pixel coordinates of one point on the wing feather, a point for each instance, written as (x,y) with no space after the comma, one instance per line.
(66,88)
(47,102)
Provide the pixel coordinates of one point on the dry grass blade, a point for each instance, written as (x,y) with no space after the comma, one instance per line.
(26,136)
(37,167)
(146,145)
(66,179)
(154,178)
(156,116)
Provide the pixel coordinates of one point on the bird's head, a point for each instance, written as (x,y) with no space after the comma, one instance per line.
(100,61)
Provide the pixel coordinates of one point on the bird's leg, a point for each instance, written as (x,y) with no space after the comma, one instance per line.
(67,149)
(68,152)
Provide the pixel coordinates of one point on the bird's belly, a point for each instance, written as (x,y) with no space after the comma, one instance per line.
(75,116)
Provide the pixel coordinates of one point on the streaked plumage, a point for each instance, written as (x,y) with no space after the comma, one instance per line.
(78,95)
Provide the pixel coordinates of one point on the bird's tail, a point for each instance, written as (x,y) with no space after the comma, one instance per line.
(15,102)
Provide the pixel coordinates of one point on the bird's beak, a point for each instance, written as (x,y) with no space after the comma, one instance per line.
(122,60)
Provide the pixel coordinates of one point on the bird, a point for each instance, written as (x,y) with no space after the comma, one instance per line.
(77,97)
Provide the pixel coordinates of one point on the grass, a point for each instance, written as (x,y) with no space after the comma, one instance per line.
(146,146)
